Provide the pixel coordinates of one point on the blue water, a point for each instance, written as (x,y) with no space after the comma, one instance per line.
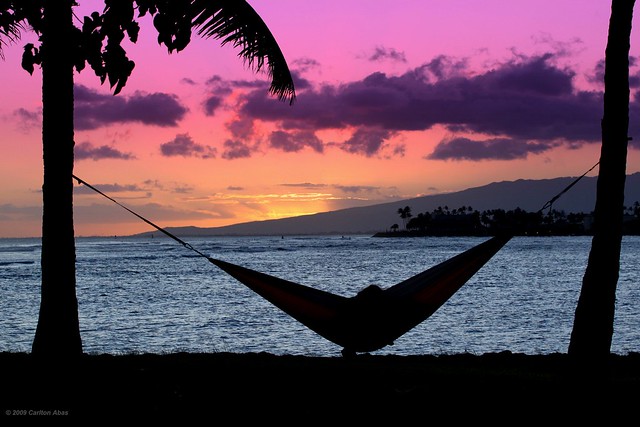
(143,295)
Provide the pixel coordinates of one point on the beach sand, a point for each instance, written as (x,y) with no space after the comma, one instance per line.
(232,389)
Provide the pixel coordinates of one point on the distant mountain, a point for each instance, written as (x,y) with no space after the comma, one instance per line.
(529,195)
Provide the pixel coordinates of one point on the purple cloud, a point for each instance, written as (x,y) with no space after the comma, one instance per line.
(307,185)
(305,64)
(241,127)
(211,104)
(94,110)
(236,150)
(357,188)
(86,150)
(111,188)
(28,116)
(183,145)
(492,149)
(295,141)
(443,67)
(367,141)
(9,212)
(382,53)
(523,99)
(28,120)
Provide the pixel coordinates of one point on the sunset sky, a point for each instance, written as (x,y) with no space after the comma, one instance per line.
(396,99)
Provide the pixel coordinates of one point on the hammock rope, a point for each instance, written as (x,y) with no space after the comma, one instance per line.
(557,196)
(157,227)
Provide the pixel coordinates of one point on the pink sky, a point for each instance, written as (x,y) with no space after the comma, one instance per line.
(395,100)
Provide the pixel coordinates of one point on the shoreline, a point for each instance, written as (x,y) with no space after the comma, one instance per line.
(262,386)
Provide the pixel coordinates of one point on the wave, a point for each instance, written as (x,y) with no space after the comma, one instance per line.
(7,263)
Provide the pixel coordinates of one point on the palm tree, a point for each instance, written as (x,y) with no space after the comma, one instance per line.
(65,47)
(405,213)
(594,316)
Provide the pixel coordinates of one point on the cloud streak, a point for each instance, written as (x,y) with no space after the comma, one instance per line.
(109,189)
(492,149)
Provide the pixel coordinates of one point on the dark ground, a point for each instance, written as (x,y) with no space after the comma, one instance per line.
(239,389)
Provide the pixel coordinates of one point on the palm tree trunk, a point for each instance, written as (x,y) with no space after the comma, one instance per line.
(593,323)
(58,333)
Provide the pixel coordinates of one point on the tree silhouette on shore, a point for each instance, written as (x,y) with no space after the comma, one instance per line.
(594,316)
(405,213)
(64,47)
(465,221)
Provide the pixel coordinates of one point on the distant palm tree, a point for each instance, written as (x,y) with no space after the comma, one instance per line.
(405,213)
(65,47)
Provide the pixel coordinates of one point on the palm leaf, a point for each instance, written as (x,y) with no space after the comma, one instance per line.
(9,28)
(236,22)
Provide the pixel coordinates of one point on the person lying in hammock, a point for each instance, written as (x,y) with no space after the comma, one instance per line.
(375,317)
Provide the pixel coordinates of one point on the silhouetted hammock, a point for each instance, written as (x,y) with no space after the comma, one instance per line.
(375,317)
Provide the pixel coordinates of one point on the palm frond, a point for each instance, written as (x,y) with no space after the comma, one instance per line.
(236,22)
(10,28)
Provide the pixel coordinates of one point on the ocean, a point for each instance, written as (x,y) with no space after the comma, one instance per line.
(152,295)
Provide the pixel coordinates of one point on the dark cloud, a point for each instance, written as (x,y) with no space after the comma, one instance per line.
(527,98)
(9,212)
(183,145)
(111,189)
(28,116)
(305,64)
(367,141)
(492,149)
(234,188)
(184,189)
(241,127)
(236,150)
(598,74)
(211,104)
(93,109)
(382,53)
(86,150)
(357,188)
(443,67)
(295,141)
(28,120)
(399,150)
(307,185)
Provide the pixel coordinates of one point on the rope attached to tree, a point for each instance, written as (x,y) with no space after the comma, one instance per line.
(162,230)
(557,196)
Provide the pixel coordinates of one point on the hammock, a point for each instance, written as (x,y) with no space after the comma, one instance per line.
(375,317)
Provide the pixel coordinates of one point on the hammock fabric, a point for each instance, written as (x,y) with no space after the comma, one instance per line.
(375,317)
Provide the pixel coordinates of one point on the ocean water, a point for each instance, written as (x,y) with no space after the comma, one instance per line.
(152,295)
